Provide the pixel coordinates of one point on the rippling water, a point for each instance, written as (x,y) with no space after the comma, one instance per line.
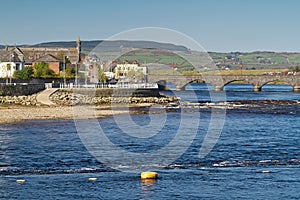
(257,156)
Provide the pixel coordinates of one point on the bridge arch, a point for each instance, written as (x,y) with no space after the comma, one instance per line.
(162,84)
(182,87)
(235,80)
(281,82)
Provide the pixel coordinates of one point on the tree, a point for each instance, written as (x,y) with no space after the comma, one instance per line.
(101,76)
(24,74)
(42,70)
(70,72)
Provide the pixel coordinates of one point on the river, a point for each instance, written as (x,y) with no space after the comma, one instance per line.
(256,155)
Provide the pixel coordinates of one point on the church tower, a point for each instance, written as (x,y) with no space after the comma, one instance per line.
(78,47)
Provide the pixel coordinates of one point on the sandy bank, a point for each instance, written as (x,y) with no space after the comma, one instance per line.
(14,113)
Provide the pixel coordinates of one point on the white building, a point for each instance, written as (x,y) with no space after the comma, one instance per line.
(122,71)
(109,75)
(10,61)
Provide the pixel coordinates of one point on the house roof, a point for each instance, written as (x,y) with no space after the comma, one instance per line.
(28,61)
(39,52)
(48,58)
(9,56)
(17,50)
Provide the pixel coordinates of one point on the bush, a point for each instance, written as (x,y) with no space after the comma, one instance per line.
(42,70)
(24,74)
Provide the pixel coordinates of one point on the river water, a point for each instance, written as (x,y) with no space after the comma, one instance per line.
(256,156)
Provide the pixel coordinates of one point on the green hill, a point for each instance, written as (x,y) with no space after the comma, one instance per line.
(112,45)
(167,54)
(257,60)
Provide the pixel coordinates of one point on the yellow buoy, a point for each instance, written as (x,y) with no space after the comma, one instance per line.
(21,181)
(93,179)
(149,175)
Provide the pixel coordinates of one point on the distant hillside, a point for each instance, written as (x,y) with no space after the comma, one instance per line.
(256,60)
(226,61)
(155,52)
(113,45)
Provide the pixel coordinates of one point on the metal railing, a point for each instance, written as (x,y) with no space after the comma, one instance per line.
(118,85)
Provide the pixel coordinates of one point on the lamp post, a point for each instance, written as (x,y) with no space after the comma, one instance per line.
(10,68)
(76,72)
(65,82)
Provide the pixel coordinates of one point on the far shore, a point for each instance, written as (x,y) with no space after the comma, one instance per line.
(18,113)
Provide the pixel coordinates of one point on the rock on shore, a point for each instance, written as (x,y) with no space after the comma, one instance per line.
(29,100)
(67,98)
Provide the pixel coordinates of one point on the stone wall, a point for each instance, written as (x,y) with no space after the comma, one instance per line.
(68,97)
(20,90)
(19,100)
(102,96)
(39,81)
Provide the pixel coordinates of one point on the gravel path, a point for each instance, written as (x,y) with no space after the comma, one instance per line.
(43,97)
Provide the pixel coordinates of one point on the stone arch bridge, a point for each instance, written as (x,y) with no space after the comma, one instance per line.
(218,81)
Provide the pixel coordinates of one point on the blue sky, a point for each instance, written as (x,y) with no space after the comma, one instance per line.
(218,25)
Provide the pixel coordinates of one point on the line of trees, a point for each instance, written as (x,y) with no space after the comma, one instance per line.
(24,74)
(40,70)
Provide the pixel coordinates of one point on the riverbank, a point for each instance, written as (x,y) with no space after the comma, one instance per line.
(17,113)
(73,103)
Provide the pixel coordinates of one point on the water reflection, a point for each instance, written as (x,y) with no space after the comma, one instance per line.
(236,87)
(5,140)
(148,188)
(235,92)
(277,88)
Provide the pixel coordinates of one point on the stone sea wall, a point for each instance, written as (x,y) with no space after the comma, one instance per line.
(29,100)
(98,97)
(68,97)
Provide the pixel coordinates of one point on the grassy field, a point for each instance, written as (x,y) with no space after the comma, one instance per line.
(218,72)
(251,72)
(188,62)
(294,58)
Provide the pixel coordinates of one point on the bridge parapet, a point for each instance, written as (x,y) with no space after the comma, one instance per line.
(218,81)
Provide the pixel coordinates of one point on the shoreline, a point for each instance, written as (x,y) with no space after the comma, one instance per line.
(17,113)
(67,105)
